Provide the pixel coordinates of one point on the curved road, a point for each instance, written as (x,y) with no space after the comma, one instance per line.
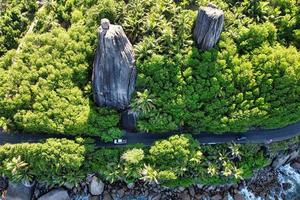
(252,136)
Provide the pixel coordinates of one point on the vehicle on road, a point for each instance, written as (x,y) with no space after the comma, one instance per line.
(241,138)
(211,143)
(269,141)
(120,141)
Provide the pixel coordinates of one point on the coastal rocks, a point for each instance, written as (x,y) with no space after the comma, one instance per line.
(57,194)
(296,165)
(217,197)
(263,179)
(209,25)
(130,185)
(185,196)
(286,186)
(284,158)
(96,187)
(263,183)
(3,183)
(18,192)
(192,191)
(114,71)
(106,196)
(238,196)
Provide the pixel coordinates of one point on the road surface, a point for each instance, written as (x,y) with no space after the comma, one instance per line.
(252,136)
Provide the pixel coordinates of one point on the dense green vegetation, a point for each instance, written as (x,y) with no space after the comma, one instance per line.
(177,161)
(250,79)
(15,17)
(45,86)
(54,161)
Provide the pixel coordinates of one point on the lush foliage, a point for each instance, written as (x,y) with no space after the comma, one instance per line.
(15,17)
(177,161)
(250,79)
(55,161)
(45,85)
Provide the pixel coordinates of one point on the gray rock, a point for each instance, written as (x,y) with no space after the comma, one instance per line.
(155,197)
(296,166)
(69,186)
(238,197)
(57,194)
(19,192)
(114,71)
(297,159)
(185,196)
(121,192)
(192,191)
(286,186)
(130,186)
(128,120)
(282,158)
(209,25)
(94,197)
(181,189)
(96,186)
(106,196)
(217,197)
(36,193)
(3,183)
(198,196)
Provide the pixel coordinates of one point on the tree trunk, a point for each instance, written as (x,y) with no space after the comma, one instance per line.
(209,24)
(114,69)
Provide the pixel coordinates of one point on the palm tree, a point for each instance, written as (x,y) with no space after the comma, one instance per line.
(212,170)
(235,151)
(143,103)
(237,172)
(19,170)
(149,174)
(227,168)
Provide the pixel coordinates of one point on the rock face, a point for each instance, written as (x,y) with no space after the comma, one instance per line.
(18,192)
(209,24)
(114,71)
(129,120)
(96,186)
(58,194)
(3,183)
(284,157)
(296,166)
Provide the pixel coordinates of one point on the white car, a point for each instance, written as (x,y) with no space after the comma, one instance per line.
(120,141)
(269,141)
(241,138)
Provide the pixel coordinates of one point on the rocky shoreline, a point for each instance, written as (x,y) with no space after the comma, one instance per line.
(264,182)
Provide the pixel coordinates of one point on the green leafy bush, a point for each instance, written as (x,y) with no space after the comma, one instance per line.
(249,79)
(177,161)
(221,89)
(45,85)
(15,18)
(53,162)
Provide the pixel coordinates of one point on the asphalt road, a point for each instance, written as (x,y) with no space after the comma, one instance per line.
(252,136)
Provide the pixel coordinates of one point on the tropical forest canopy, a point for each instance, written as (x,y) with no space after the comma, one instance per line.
(251,78)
